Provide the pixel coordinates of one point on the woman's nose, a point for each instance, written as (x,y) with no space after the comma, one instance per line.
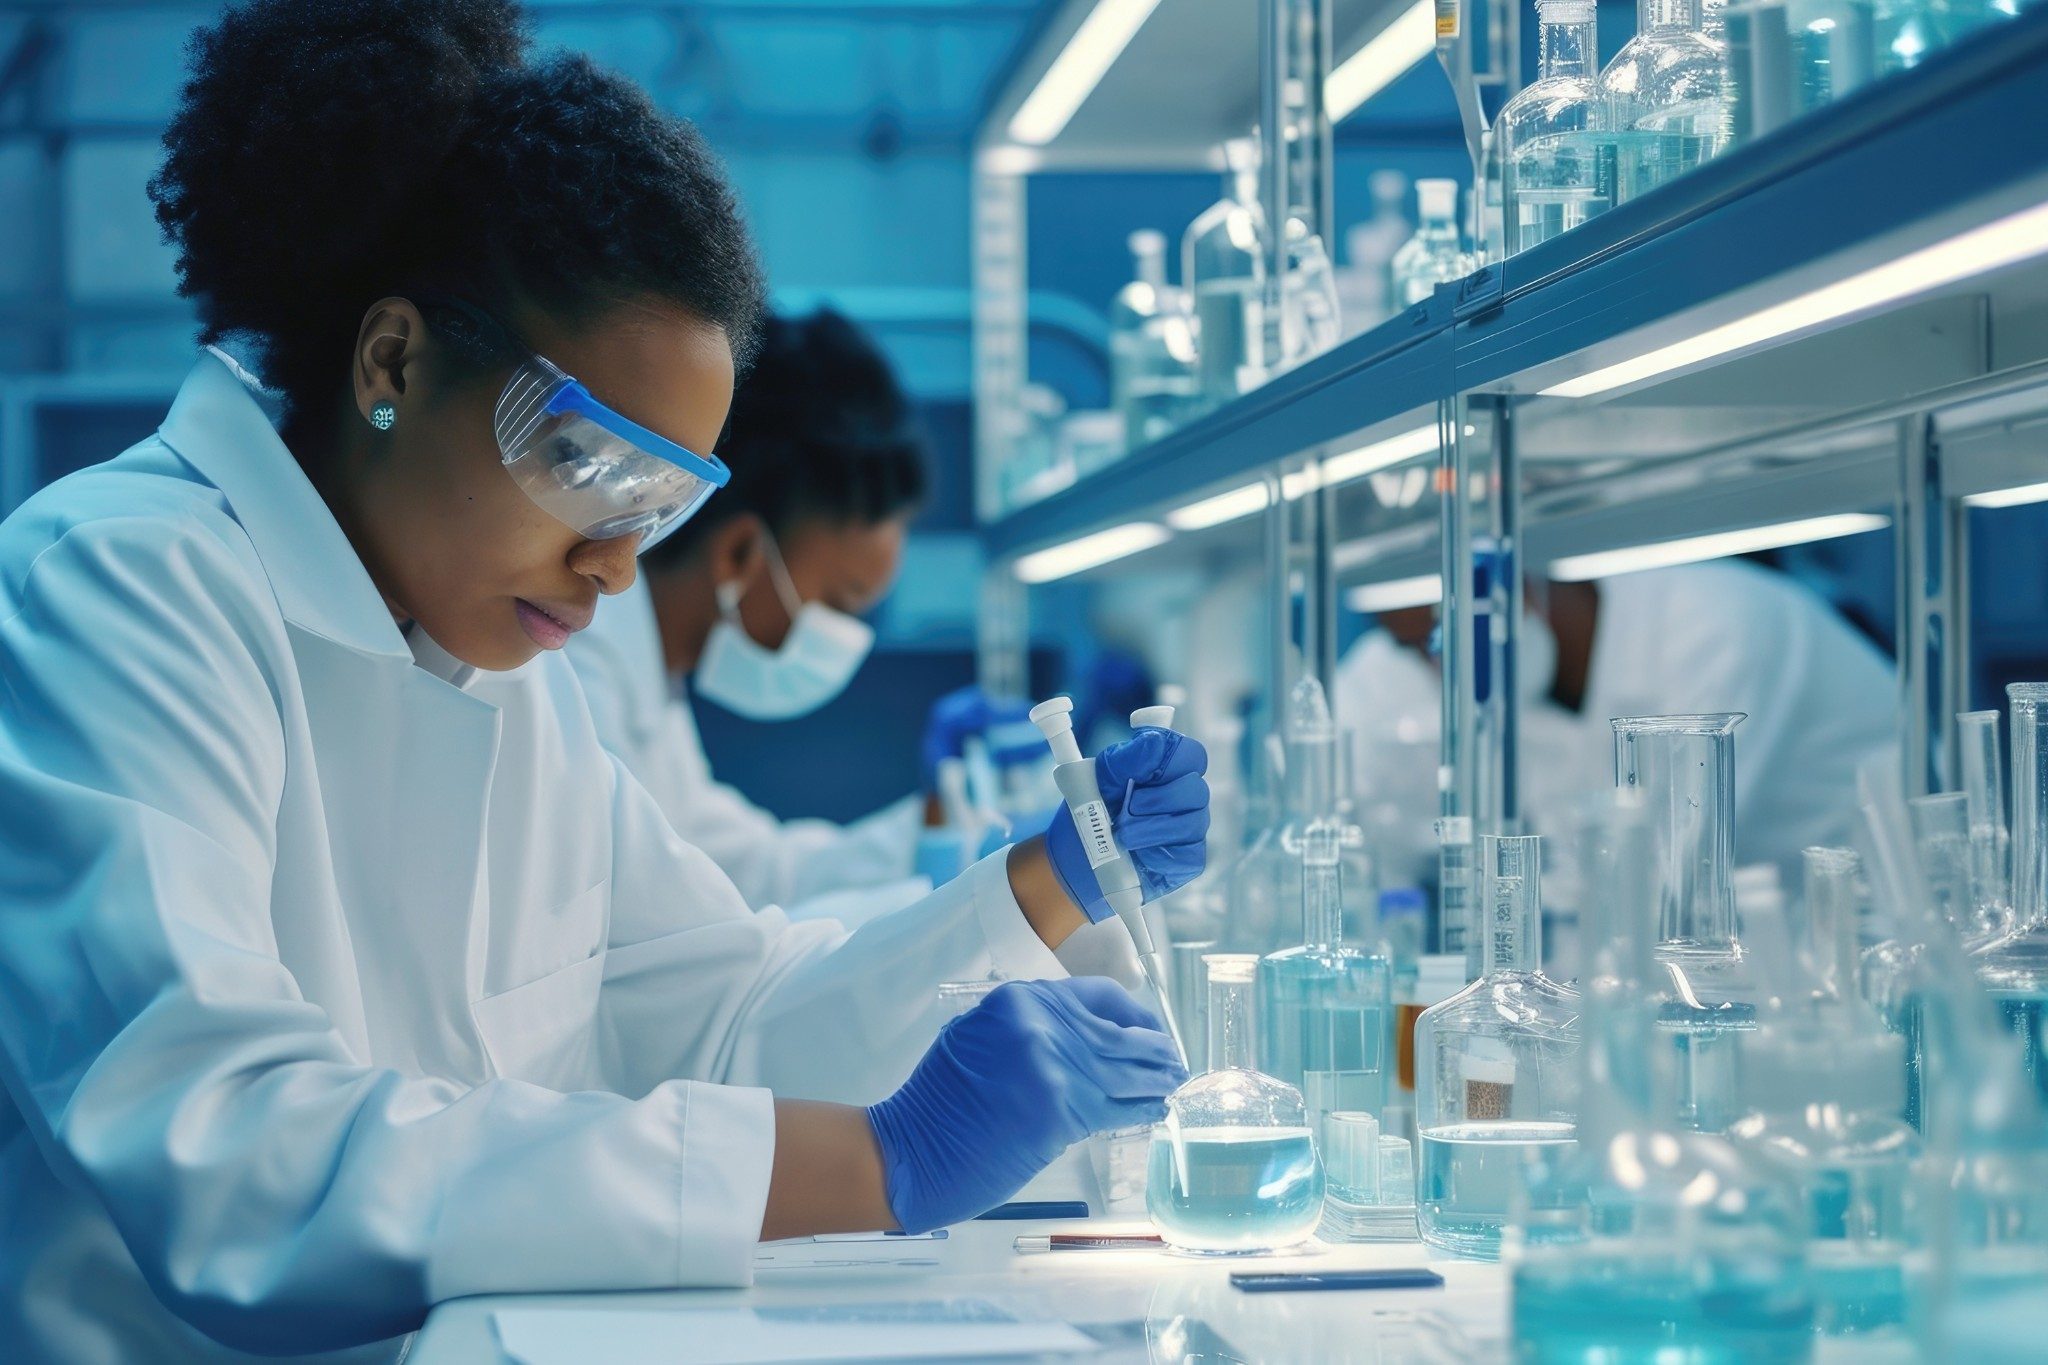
(611,564)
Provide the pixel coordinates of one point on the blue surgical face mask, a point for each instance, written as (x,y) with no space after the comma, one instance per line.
(822,652)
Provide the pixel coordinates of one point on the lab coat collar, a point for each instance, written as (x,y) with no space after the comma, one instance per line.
(217,426)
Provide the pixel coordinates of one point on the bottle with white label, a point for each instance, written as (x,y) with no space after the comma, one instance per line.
(1496,1086)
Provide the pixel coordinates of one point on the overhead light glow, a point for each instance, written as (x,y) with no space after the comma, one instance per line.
(1356,464)
(1073,75)
(1089,552)
(1400,593)
(2016,237)
(1238,502)
(2009,497)
(1382,61)
(1691,550)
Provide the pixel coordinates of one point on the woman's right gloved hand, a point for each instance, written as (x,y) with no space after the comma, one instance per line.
(1011,1084)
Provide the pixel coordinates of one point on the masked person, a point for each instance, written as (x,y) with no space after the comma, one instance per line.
(345,971)
(758,601)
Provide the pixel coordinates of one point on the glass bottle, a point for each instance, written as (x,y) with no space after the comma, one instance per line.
(1666,103)
(1151,346)
(2014,966)
(1684,767)
(1551,166)
(1495,1084)
(1825,1083)
(1436,253)
(1234,1167)
(1324,1007)
(1369,246)
(1265,884)
(1309,315)
(1652,1243)
(1223,267)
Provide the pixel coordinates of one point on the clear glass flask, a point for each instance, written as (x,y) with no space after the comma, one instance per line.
(1223,269)
(1666,102)
(1364,291)
(2014,966)
(1324,1006)
(1825,1083)
(1684,768)
(1265,893)
(1436,254)
(1151,346)
(1651,1244)
(1310,321)
(1234,1168)
(1548,134)
(1495,1081)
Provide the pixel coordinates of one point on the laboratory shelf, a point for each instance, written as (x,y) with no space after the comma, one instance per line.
(1901,165)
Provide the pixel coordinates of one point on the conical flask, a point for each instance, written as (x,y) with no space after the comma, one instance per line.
(1234,1167)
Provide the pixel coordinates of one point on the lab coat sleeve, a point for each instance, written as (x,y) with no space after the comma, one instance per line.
(276,1191)
(696,985)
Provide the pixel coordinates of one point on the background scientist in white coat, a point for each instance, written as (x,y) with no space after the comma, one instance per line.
(344,971)
(1721,636)
(757,600)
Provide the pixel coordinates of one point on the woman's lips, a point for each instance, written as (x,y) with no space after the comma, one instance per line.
(543,628)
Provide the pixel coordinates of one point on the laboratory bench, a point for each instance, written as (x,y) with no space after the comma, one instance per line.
(1139,1305)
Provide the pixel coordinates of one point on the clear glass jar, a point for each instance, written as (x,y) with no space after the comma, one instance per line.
(1666,101)
(1234,1168)
(1151,347)
(1436,254)
(1223,269)
(1552,168)
(1496,1087)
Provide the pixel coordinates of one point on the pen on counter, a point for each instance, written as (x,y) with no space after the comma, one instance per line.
(1082,1241)
(1020,1209)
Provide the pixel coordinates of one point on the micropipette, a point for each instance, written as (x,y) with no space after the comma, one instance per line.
(1114,871)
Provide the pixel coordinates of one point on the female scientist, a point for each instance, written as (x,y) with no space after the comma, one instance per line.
(343,972)
(757,599)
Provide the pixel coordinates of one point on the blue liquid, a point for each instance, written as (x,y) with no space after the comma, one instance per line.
(1324,1028)
(1856,1288)
(1709,1042)
(1234,1189)
(1683,1306)
(1471,1173)
(2027,1017)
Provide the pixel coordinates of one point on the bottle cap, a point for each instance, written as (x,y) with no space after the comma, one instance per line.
(1437,198)
(1566,11)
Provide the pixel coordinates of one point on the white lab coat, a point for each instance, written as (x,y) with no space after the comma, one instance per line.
(334,984)
(642,719)
(1724,636)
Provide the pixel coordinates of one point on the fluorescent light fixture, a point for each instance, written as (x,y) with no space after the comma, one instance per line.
(1691,550)
(2016,237)
(1073,75)
(1381,62)
(1238,502)
(1089,552)
(1372,598)
(1356,464)
(2009,497)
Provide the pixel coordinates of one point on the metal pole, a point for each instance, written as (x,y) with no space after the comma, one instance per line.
(1456,777)
(1932,645)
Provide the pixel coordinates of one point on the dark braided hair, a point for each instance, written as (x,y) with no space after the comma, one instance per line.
(329,152)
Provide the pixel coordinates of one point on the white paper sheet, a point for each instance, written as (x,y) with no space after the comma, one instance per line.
(750,1336)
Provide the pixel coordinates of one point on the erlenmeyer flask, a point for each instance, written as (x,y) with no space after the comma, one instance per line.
(1684,768)
(1234,1167)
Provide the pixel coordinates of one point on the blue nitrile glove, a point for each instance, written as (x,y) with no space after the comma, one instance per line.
(1165,829)
(957,717)
(1011,1084)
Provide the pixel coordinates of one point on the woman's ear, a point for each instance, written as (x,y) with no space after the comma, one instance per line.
(736,554)
(387,345)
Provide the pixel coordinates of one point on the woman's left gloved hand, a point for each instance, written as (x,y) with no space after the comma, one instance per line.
(1159,809)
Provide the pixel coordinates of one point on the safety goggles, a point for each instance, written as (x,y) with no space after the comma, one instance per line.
(590,468)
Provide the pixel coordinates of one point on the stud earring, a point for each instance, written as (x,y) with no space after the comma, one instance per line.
(384,416)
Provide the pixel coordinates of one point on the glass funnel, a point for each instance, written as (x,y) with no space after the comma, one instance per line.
(1684,768)
(1649,1244)
(1495,1086)
(1665,98)
(1234,1167)
(2014,967)
(1324,1006)
(1825,1084)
